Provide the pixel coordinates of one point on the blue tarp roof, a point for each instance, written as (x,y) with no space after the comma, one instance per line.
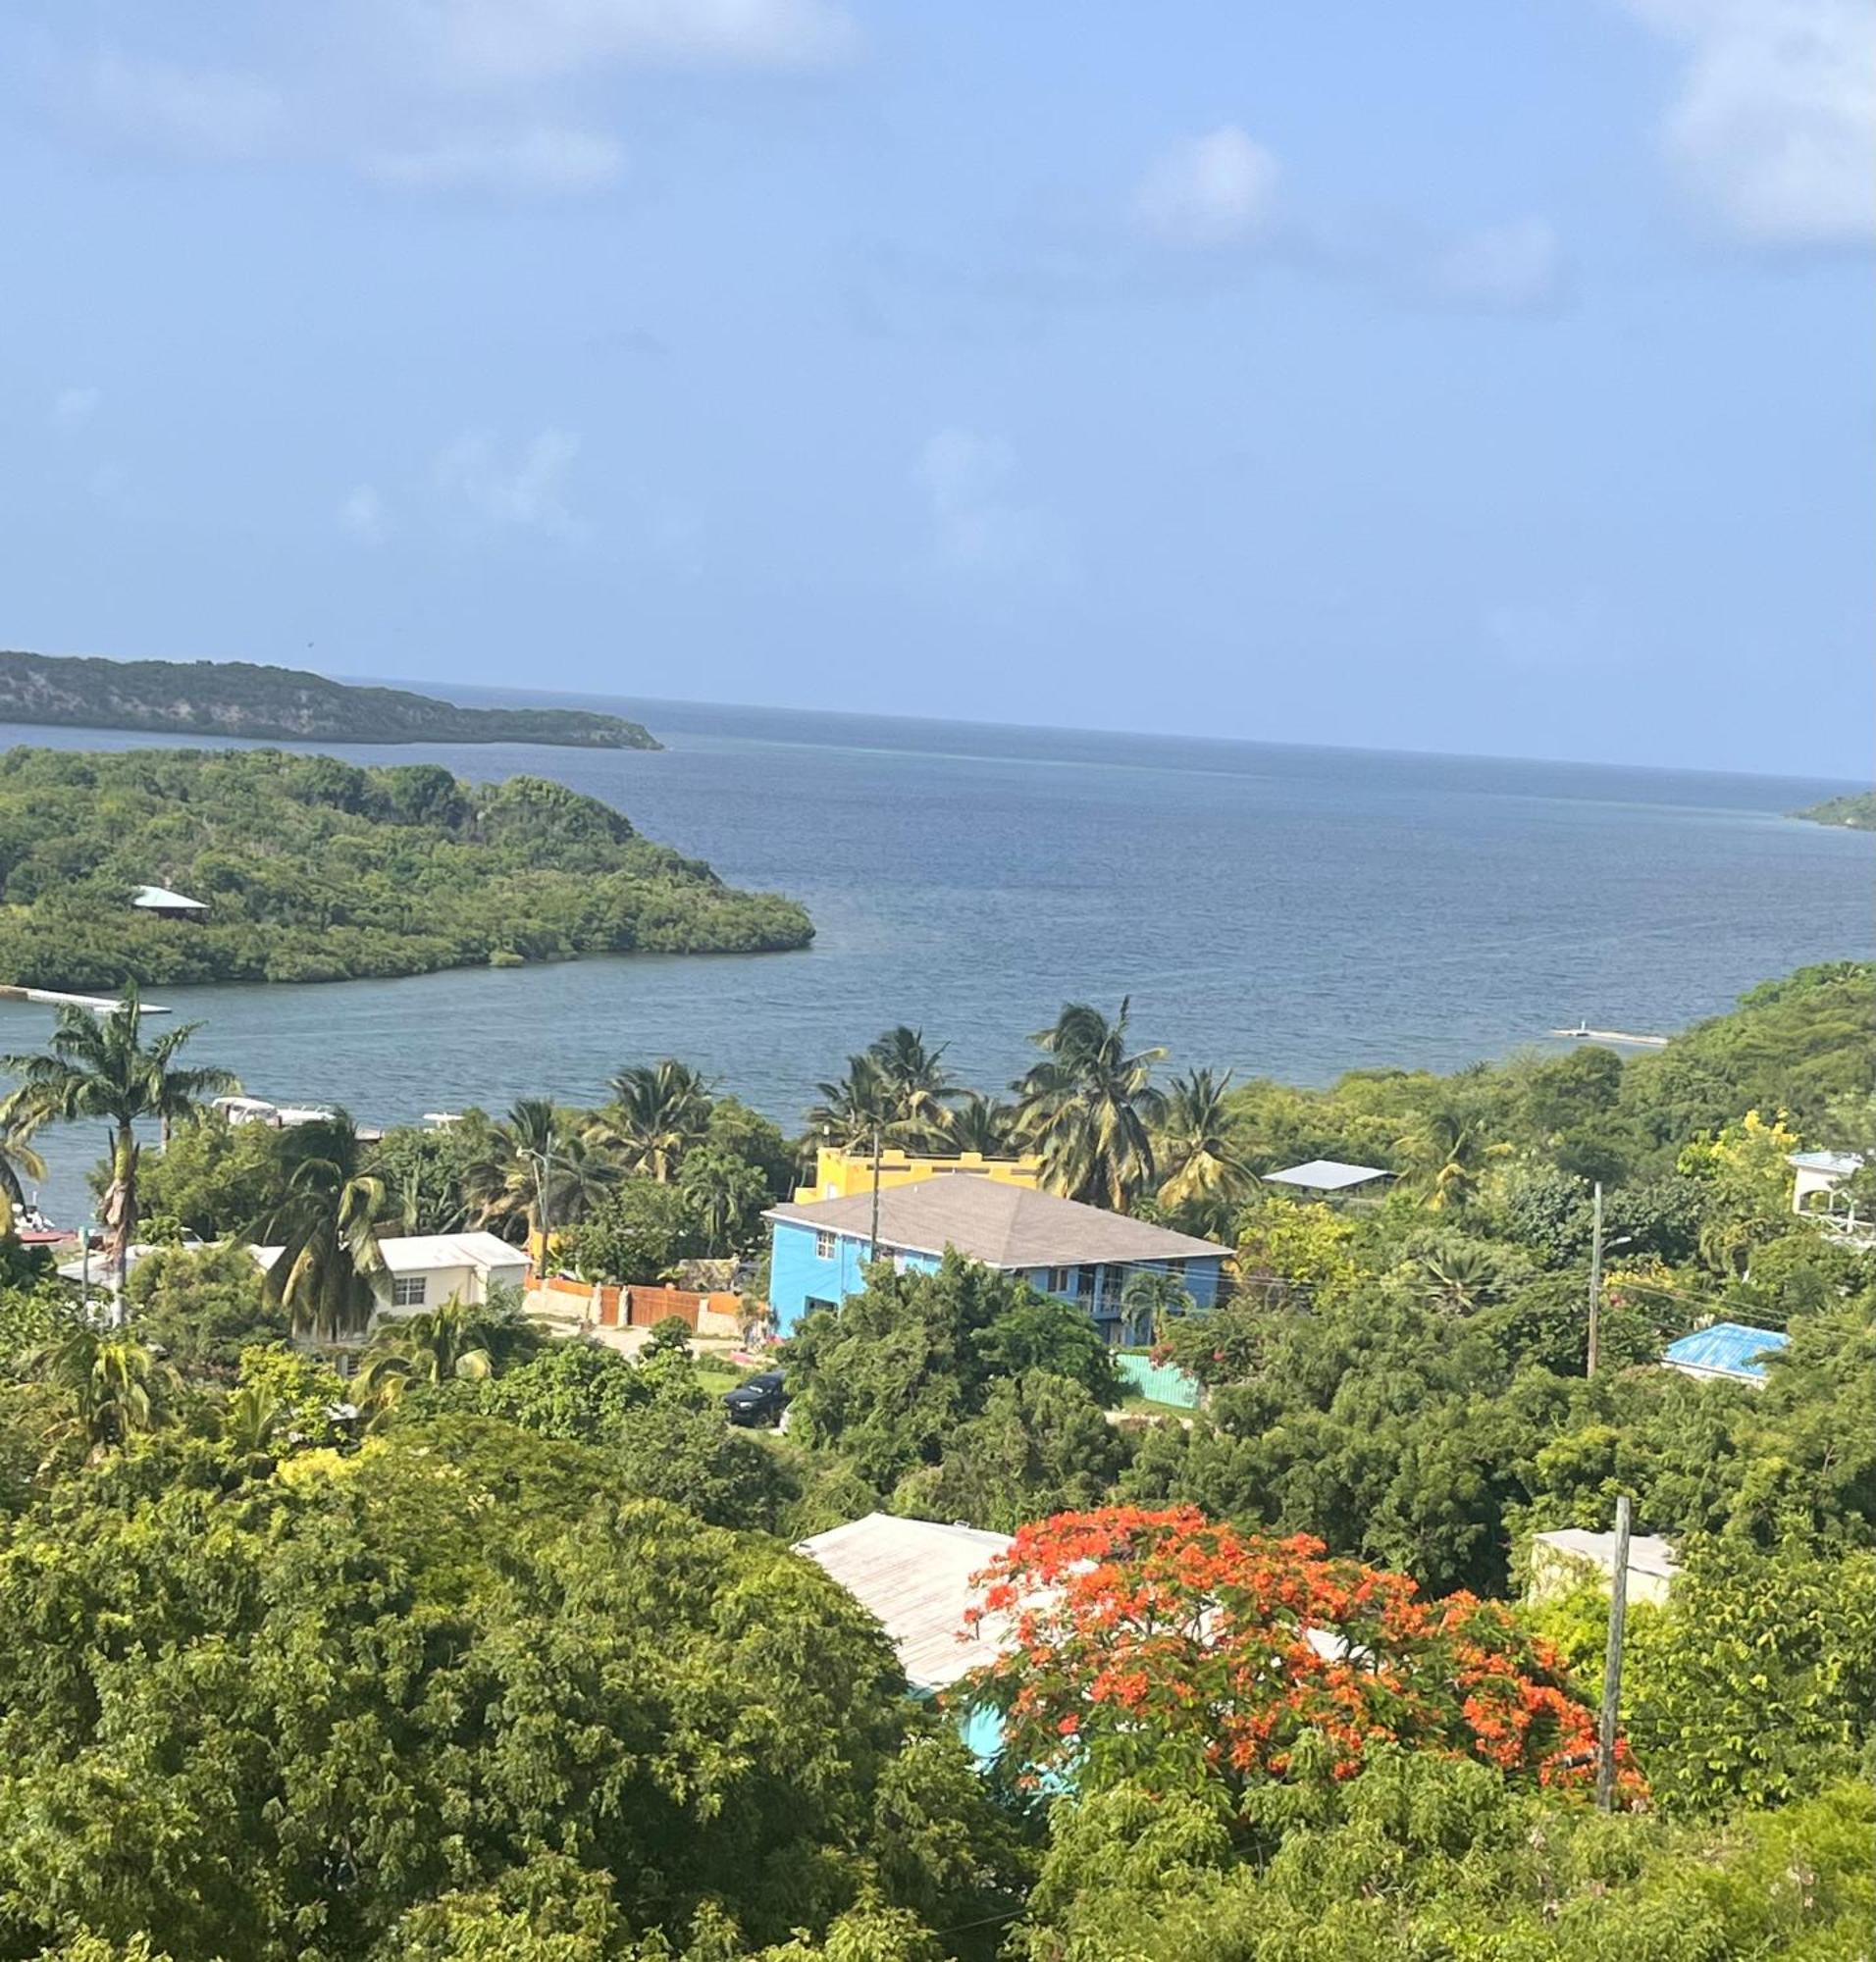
(1728,1349)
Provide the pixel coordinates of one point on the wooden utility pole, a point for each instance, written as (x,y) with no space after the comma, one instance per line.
(872,1245)
(1596,1284)
(1612,1660)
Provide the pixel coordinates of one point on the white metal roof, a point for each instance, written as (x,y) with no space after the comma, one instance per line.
(1648,1553)
(430,1253)
(916,1577)
(1325,1175)
(162,897)
(1839,1165)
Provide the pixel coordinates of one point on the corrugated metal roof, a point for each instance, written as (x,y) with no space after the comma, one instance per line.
(1727,1349)
(160,896)
(1003,1226)
(1840,1165)
(1326,1175)
(916,1577)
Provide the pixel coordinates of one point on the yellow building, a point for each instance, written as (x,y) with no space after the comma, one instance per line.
(841,1174)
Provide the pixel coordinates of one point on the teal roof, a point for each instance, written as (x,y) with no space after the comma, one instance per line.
(1727,1349)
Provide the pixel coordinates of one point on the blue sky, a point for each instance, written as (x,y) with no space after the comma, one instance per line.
(1474,377)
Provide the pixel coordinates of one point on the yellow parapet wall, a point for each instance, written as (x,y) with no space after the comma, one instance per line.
(842,1174)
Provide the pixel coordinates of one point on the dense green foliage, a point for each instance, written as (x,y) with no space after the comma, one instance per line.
(278,704)
(496,1648)
(316,870)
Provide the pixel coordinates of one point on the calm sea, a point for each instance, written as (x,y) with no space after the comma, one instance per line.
(1286,911)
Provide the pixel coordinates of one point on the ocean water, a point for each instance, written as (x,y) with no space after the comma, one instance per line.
(1283,912)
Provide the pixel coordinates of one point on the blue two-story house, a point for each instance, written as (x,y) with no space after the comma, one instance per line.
(820,1249)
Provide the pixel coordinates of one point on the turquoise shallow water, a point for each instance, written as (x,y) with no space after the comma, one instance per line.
(1287,911)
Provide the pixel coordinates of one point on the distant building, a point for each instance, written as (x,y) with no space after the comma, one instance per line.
(840,1174)
(1330,1179)
(1727,1349)
(1818,1179)
(426,1269)
(1560,1560)
(1080,1254)
(166,905)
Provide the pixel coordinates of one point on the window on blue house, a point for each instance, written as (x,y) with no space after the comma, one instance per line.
(823,1246)
(1061,1280)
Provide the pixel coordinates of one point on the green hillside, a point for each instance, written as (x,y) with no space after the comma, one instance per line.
(277,704)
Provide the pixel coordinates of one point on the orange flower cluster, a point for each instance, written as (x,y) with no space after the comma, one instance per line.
(1139,1635)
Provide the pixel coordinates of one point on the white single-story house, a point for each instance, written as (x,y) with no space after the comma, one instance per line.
(1818,1181)
(1560,1559)
(426,1269)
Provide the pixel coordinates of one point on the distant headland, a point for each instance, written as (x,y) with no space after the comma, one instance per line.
(277,704)
(1859,811)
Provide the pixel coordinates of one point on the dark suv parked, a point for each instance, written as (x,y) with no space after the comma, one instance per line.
(760,1399)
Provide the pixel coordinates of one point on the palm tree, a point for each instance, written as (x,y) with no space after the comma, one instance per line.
(913,1087)
(17,1157)
(250,1418)
(981,1124)
(1459,1278)
(854,1110)
(1449,1147)
(458,1342)
(119,1389)
(1199,1159)
(658,1112)
(537,1171)
(1087,1107)
(328,1224)
(1150,1298)
(98,1066)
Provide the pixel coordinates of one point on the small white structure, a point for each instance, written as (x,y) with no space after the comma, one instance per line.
(426,1269)
(918,1580)
(1560,1560)
(1327,1178)
(1817,1179)
(166,905)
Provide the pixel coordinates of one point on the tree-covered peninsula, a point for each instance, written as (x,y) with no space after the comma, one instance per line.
(1857,811)
(277,704)
(313,869)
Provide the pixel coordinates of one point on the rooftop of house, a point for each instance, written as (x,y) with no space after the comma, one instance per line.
(160,898)
(1726,1349)
(917,1578)
(1326,1175)
(1005,1226)
(1837,1165)
(429,1253)
(1648,1553)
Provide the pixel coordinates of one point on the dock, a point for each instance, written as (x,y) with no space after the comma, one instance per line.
(1617,1038)
(51,998)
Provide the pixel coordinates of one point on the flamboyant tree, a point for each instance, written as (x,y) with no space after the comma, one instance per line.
(1160,1646)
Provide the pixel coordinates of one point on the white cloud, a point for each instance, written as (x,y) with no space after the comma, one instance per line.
(73,406)
(362,513)
(1512,268)
(975,525)
(527,493)
(1773,124)
(199,112)
(522,40)
(1214,190)
(544,161)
